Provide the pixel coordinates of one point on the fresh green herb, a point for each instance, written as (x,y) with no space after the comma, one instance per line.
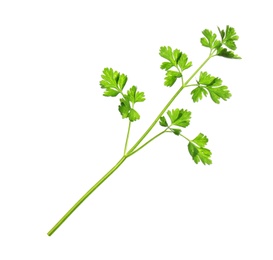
(198,151)
(175,59)
(213,85)
(228,38)
(178,117)
(175,64)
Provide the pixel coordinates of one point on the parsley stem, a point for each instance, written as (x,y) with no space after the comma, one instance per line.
(192,85)
(127,137)
(198,69)
(185,137)
(180,135)
(85,196)
(167,105)
(148,142)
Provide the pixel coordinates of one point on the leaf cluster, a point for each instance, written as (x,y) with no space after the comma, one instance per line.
(212,85)
(113,84)
(174,64)
(126,107)
(175,58)
(225,46)
(178,117)
(198,151)
(196,147)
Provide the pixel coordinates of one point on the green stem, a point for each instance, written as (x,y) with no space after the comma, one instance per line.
(191,85)
(167,106)
(127,137)
(147,142)
(185,137)
(180,135)
(84,197)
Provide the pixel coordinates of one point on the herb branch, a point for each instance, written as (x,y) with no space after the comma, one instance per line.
(175,120)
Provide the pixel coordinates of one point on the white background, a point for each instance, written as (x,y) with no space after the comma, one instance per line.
(59,135)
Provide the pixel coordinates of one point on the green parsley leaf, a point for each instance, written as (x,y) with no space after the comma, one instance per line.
(171,77)
(134,95)
(199,154)
(122,81)
(222,33)
(227,54)
(183,62)
(197,93)
(167,53)
(163,121)
(193,150)
(176,131)
(217,93)
(126,109)
(179,117)
(133,115)
(201,140)
(229,37)
(210,40)
(198,151)
(112,82)
(176,55)
(175,59)
(211,84)
(166,65)
(208,80)
(110,92)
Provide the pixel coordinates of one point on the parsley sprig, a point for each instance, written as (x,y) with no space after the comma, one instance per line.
(175,59)
(218,46)
(212,85)
(176,120)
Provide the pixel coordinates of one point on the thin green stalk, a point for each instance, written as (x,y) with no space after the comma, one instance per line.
(167,106)
(185,137)
(191,85)
(148,142)
(182,78)
(84,197)
(180,135)
(127,137)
